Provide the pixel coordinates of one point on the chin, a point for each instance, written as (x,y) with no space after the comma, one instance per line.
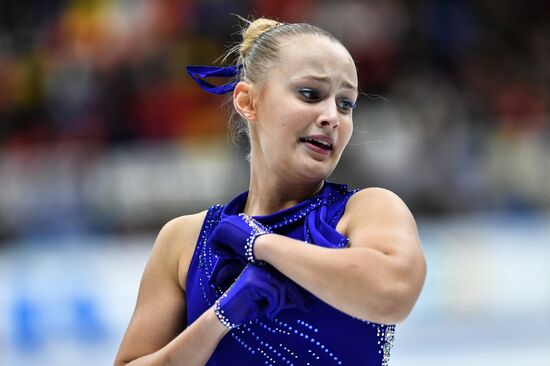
(309,169)
(317,172)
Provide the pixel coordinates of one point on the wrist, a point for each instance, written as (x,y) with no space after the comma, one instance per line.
(220,329)
(260,246)
(222,317)
(258,230)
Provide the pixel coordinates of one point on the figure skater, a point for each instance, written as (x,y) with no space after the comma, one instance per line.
(296,270)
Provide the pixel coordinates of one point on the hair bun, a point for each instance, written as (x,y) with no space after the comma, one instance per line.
(254,30)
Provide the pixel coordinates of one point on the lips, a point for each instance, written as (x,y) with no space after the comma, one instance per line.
(321,141)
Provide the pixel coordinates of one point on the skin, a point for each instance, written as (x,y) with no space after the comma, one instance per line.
(378,277)
(291,103)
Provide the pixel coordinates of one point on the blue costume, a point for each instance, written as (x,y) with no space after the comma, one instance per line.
(322,336)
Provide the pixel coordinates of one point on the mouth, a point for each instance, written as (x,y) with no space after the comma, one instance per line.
(321,142)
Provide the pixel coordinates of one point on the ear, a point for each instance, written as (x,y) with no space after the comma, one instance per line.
(243,100)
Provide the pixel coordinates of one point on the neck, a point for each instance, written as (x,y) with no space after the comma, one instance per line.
(269,194)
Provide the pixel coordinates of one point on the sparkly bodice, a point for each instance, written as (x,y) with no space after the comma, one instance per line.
(322,336)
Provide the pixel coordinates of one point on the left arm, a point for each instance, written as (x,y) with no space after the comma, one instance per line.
(377,278)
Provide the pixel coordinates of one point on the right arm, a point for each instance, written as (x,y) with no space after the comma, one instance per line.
(157,333)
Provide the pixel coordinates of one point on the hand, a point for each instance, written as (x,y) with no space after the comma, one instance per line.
(296,296)
(256,293)
(226,271)
(234,236)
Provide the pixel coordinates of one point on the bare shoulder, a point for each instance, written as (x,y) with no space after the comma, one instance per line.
(160,315)
(378,212)
(175,233)
(176,242)
(379,201)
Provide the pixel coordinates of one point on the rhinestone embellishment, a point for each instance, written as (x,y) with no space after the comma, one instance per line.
(221,316)
(257,230)
(300,340)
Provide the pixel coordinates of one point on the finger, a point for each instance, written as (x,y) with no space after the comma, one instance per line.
(269,295)
(213,280)
(274,297)
(282,292)
(278,284)
(225,272)
(296,296)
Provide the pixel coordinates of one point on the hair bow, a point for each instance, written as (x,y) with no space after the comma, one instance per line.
(198,72)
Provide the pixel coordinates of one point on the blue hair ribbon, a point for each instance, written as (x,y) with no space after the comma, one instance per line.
(198,72)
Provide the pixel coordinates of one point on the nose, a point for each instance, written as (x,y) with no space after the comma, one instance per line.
(329,118)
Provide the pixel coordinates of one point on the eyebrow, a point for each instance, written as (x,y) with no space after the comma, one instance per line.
(326,79)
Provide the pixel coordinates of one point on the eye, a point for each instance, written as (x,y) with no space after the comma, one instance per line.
(310,94)
(346,105)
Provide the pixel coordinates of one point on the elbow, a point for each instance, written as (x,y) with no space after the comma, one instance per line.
(149,360)
(122,362)
(119,361)
(395,299)
(397,311)
(382,306)
(391,308)
(400,301)
(152,359)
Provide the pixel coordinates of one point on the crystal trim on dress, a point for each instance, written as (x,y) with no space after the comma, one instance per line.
(257,337)
(257,230)
(389,338)
(221,316)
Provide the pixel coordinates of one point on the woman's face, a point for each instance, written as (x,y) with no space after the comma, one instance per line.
(304,109)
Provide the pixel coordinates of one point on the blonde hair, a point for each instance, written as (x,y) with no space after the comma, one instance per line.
(259,50)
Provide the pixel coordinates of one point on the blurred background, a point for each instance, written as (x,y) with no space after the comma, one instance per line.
(104,138)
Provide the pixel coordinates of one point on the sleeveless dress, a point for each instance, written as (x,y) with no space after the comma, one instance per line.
(322,336)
